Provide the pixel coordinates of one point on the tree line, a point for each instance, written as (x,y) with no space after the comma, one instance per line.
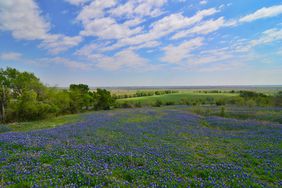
(144,94)
(244,98)
(23,97)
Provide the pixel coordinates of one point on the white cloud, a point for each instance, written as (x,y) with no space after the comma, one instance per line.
(108,28)
(133,22)
(165,26)
(51,61)
(123,59)
(99,48)
(263,13)
(203,2)
(203,28)
(59,43)
(177,21)
(71,63)
(77,2)
(140,8)
(96,9)
(87,50)
(212,56)
(97,20)
(150,44)
(177,54)
(10,56)
(23,19)
(266,37)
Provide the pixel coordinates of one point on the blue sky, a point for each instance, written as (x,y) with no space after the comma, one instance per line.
(144,42)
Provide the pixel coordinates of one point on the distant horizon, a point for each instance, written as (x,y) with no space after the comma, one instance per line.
(134,43)
(183,86)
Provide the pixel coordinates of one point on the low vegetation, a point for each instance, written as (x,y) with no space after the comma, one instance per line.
(186,138)
(24,98)
(239,98)
(149,147)
(144,94)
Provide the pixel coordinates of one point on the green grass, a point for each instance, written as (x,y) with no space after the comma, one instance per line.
(44,124)
(238,112)
(177,98)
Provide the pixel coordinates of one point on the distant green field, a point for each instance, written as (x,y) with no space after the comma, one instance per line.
(177,97)
(262,89)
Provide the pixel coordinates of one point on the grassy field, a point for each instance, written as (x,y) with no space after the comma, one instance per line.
(42,124)
(177,97)
(267,114)
(145,147)
(270,90)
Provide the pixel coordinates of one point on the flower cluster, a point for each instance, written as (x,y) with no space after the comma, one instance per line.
(145,148)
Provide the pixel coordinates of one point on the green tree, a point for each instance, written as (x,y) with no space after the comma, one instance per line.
(3,95)
(278,99)
(60,100)
(102,99)
(22,96)
(81,97)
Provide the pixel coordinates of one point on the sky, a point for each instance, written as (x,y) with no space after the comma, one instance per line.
(144,42)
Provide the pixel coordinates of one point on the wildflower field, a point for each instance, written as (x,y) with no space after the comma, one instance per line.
(146,147)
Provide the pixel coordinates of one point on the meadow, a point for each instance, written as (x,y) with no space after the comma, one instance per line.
(186,96)
(172,146)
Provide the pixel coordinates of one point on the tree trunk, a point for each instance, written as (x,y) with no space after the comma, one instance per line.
(3,103)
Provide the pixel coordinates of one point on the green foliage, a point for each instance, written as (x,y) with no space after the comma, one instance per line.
(43,124)
(144,94)
(23,98)
(220,102)
(278,99)
(213,97)
(270,114)
(81,97)
(125,105)
(158,103)
(251,94)
(102,99)
(222,112)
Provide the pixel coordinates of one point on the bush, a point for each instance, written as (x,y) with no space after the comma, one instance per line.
(222,112)
(126,105)
(220,102)
(158,103)
(169,103)
(138,105)
(250,103)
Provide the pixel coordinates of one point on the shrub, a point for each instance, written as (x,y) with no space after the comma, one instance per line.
(220,102)
(126,105)
(168,103)
(138,105)
(158,103)
(222,112)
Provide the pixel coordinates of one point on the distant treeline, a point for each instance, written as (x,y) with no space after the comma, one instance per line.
(219,91)
(244,98)
(23,98)
(144,94)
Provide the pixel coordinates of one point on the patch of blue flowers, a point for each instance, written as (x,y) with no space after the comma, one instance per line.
(145,148)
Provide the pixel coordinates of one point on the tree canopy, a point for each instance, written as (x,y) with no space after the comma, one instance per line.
(24,97)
